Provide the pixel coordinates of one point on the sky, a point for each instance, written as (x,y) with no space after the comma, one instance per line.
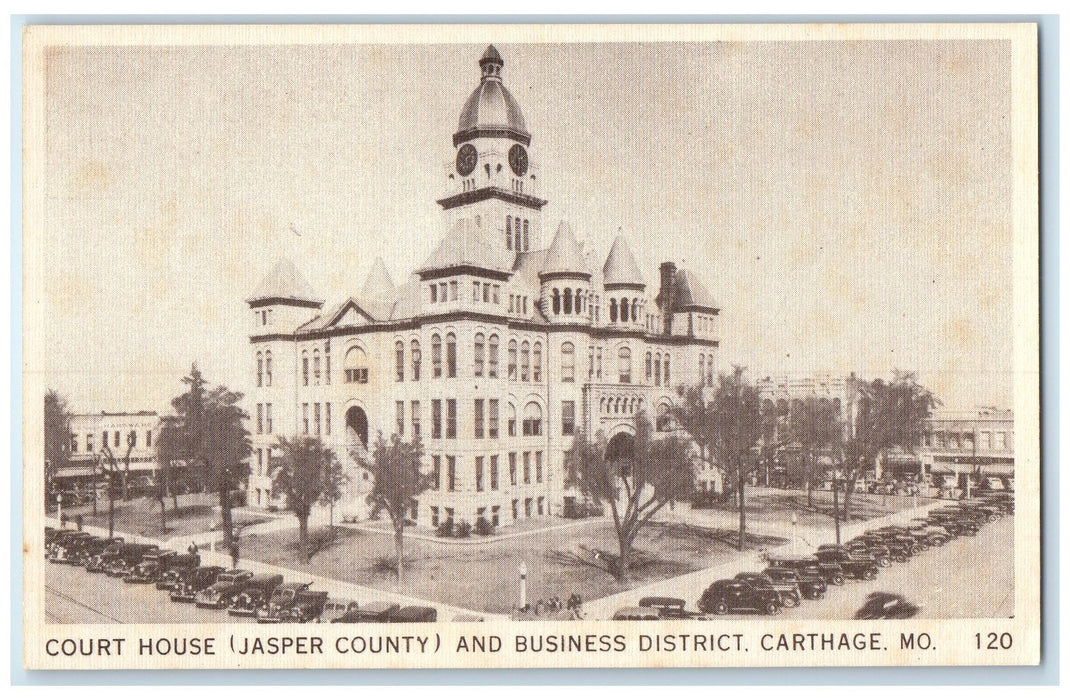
(848,204)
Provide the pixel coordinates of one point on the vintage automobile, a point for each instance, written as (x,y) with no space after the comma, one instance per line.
(985,510)
(378,611)
(668,608)
(50,534)
(151,566)
(413,613)
(96,562)
(171,574)
(886,606)
(64,546)
(225,590)
(277,607)
(914,540)
(129,556)
(254,594)
(732,595)
(878,551)
(789,593)
(334,608)
(812,586)
(639,613)
(895,549)
(852,564)
(830,572)
(957,526)
(89,548)
(192,581)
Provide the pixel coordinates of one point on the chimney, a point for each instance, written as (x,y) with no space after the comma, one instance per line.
(668,276)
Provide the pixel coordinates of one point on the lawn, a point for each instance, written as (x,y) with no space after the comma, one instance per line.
(484,576)
(141,516)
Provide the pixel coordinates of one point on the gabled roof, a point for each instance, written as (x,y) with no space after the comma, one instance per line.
(689,291)
(340,311)
(565,254)
(378,284)
(464,246)
(620,267)
(284,282)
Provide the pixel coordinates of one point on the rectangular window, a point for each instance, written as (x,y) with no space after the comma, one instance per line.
(568,417)
(590,362)
(451,473)
(538,466)
(259,419)
(527,507)
(399,362)
(416,419)
(532,426)
(451,358)
(541,501)
(326,366)
(451,418)
(116,438)
(512,468)
(399,410)
(267,419)
(480,348)
(496,515)
(496,294)
(74,442)
(516,509)
(492,424)
(436,472)
(434,294)
(260,371)
(304,416)
(436,418)
(479,418)
(486,292)
(453,290)
(316,369)
(475,292)
(327,419)
(148,439)
(434,516)
(304,371)
(479,473)
(442,291)
(316,417)
(512,361)
(494,472)
(598,365)
(449,515)
(492,357)
(527,467)
(89,442)
(260,462)
(104,439)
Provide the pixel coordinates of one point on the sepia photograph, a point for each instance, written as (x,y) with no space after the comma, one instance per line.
(564,346)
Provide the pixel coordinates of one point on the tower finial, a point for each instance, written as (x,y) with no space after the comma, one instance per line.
(491,63)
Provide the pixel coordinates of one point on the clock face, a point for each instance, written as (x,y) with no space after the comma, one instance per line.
(518,159)
(466,159)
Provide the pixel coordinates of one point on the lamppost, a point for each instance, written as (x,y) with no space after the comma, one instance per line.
(59,508)
(523,569)
(794,541)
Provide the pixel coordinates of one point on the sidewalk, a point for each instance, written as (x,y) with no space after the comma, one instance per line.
(690,586)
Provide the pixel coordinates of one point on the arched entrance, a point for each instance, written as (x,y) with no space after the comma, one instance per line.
(621,447)
(357,426)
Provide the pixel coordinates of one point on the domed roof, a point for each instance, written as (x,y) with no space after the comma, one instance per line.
(620,267)
(491,110)
(565,255)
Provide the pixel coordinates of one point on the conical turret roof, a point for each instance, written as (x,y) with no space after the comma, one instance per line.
(620,267)
(285,281)
(378,283)
(689,291)
(565,254)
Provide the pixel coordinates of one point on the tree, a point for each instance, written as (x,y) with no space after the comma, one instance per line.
(110,466)
(694,415)
(57,436)
(735,434)
(169,450)
(306,472)
(396,467)
(634,487)
(211,437)
(813,426)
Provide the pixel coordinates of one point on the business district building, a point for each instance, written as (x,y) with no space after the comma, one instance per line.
(129,437)
(510,338)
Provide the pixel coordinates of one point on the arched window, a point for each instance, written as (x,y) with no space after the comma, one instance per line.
(649,367)
(527,242)
(664,420)
(568,362)
(532,419)
(637,311)
(525,361)
(260,369)
(492,357)
(316,367)
(579,301)
(436,355)
(512,360)
(668,382)
(709,370)
(557,301)
(568,301)
(356,366)
(399,361)
(613,310)
(508,233)
(414,356)
(624,365)
(267,368)
(480,349)
(657,369)
(511,420)
(536,363)
(516,235)
(304,367)
(702,370)
(451,355)
(623,310)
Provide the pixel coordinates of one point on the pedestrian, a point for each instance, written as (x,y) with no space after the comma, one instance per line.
(78,522)
(192,548)
(539,607)
(63,521)
(234,555)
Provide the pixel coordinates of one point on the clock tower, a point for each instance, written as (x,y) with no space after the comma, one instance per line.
(492,182)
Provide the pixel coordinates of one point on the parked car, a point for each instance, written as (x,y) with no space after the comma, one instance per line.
(413,613)
(639,613)
(789,594)
(732,595)
(830,572)
(129,556)
(897,550)
(668,608)
(852,564)
(64,546)
(225,590)
(812,585)
(886,606)
(151,566)
(50,534)
(97,562)
(277,607)
(93,546)
(878,551)
(192,581)
(334,608)
(168,579)
(254,593)
(378,611)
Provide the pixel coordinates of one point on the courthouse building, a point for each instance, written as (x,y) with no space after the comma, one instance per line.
(509,339)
